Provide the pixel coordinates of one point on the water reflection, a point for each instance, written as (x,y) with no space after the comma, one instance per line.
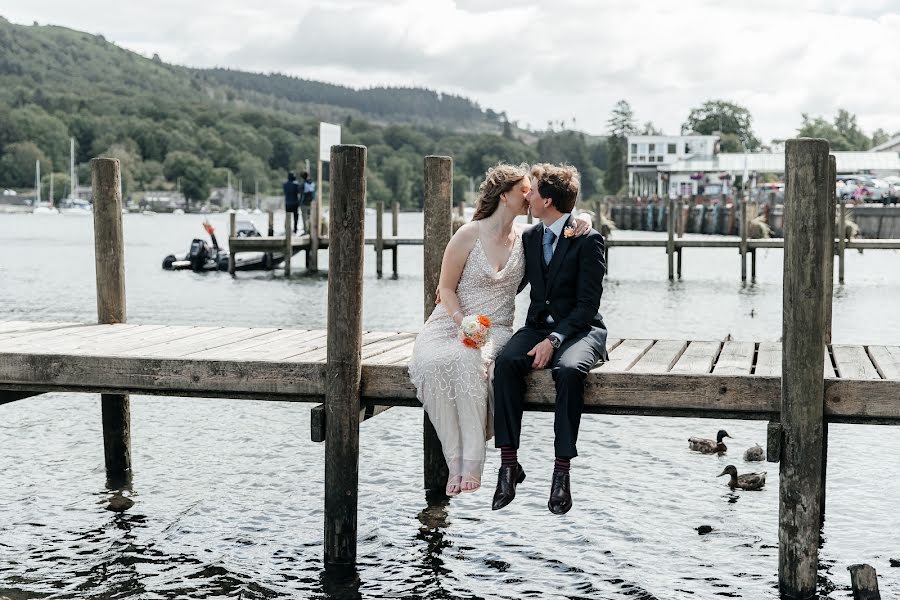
(340,582)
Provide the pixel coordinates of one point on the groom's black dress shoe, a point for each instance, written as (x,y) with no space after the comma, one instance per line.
(560,494)
(507,479)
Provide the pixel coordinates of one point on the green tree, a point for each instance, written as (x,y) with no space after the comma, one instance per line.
(843,134)
(17,165)
(60,186)
(195,173)
(732,120)
(397,174)
(620,125)
(48,132)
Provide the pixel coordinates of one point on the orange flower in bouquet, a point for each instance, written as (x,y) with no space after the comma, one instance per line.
(473,331)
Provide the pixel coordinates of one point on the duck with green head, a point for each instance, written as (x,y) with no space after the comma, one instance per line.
(747,481)
(705,446)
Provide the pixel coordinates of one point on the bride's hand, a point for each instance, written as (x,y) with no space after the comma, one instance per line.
(583,224)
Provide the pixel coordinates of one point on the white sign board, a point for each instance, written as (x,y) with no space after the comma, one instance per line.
(329,135)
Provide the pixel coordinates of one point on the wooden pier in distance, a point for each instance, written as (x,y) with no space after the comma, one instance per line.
(800,386)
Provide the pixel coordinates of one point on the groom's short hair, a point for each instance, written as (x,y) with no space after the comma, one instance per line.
(560,183)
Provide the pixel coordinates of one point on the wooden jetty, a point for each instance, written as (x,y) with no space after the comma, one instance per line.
(800,386)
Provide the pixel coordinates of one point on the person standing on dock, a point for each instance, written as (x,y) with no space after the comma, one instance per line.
(563,331)
(292,191)
(307,197)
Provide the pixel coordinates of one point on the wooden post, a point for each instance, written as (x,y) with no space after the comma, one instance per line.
(315,224)
(232,232)
(109,258)
(678,262)
(288,243)
(379,238)
(743,247)
(806,209)
(438,227)
(864,582)
(842,242)
(752,264)
(670,243)
(344,350)
(828,271)
(271,229)
(395,231)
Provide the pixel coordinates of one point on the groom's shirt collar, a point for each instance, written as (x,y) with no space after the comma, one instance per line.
(557,227)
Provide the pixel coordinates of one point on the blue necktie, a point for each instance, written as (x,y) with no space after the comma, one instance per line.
(549,236)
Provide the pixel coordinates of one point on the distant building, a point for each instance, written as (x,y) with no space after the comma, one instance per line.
(160,200)
(892,145)
(672,166)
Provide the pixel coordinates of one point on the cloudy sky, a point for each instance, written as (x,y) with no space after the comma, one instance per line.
(560,60)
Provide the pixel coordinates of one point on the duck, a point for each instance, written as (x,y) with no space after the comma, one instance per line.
(706,446)
(755,454)
(747,481)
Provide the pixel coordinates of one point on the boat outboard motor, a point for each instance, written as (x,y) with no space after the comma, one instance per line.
(198,254)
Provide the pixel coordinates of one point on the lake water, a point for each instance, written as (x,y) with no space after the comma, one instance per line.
(229,494)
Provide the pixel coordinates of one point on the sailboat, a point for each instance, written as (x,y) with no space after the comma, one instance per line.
(41,208)
(71,205)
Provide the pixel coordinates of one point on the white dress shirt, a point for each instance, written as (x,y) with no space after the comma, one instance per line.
(557,229)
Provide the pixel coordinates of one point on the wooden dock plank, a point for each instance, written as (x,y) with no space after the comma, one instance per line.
(886,360)
(291,347)
(247,347)
(70,339)
(144,335)
(625,355)
(320,354)
(13,328)
(736,358)
(768,360)
(698,358)
(165,341)
(661,357)
(38,337)
(212,339)
(853,362)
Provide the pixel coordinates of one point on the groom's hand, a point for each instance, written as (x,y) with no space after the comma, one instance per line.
(542,354)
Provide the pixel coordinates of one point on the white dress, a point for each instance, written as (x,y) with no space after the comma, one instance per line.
(451,379)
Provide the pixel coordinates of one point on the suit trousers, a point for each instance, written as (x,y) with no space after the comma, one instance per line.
(569,366)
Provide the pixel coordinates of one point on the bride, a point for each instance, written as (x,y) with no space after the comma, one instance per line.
(482,269)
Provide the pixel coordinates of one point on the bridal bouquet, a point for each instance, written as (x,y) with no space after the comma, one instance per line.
(473,330)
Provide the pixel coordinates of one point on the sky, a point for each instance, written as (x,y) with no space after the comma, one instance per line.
(566,60)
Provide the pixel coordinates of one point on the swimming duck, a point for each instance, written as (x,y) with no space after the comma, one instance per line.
(755,454)
(706,446)
(747,481)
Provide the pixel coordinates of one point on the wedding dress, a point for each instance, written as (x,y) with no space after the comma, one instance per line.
(451,379)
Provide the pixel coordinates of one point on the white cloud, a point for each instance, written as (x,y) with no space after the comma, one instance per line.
(542,61)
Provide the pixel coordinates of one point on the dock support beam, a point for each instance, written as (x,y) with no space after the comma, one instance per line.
(109,256)
(395,231)
(312,254)
(343,370)
(670,243)
(379,238)
(743,247)
(842,242)
(806,213)
(288,242)
(438,229)
(232,232)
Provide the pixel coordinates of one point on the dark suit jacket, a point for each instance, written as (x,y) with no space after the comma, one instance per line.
(570,287)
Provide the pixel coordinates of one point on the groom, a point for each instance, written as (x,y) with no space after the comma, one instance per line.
(563,331)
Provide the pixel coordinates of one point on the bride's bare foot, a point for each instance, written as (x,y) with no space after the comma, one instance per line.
(470,484)
(453,486)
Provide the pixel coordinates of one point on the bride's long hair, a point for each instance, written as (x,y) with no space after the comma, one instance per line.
(497,181)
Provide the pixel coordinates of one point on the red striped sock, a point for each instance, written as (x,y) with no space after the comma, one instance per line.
(508,456)
(561,465)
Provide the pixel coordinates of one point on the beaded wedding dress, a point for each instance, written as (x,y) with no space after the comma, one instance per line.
(451,380)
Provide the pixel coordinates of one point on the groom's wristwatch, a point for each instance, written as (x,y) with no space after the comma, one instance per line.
(554,341)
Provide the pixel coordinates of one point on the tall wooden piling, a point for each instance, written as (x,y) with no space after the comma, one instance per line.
(109,257)
(743,247)
(344,351)
(395,231)
(379,238)
(828,271)
(842,241)
(670,244)
(232,232)
(806,212)
(438,228)
(288,243)
(312,254)
(271,228)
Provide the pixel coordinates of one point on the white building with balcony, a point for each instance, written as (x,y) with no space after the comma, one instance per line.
(647,153)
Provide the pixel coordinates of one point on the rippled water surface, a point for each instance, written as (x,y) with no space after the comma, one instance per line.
(228,494)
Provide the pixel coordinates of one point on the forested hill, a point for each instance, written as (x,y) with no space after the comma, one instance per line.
(199,128)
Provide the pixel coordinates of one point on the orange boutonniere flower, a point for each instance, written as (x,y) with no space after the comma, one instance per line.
(485,321)
(569,231)
(470,343)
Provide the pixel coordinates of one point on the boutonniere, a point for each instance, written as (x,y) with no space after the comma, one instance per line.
(569,231)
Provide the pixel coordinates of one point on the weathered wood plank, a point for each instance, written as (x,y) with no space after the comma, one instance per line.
(698,358)
(169,342)
(736,358)
(625,355)
(661,357)
(144,336)
(288,348)
(88,335)
(853,362)
(40,337)
(768,360)
(394,355)
(12,329)
(320,354)
(886,360)
(247,347)
(222,337)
